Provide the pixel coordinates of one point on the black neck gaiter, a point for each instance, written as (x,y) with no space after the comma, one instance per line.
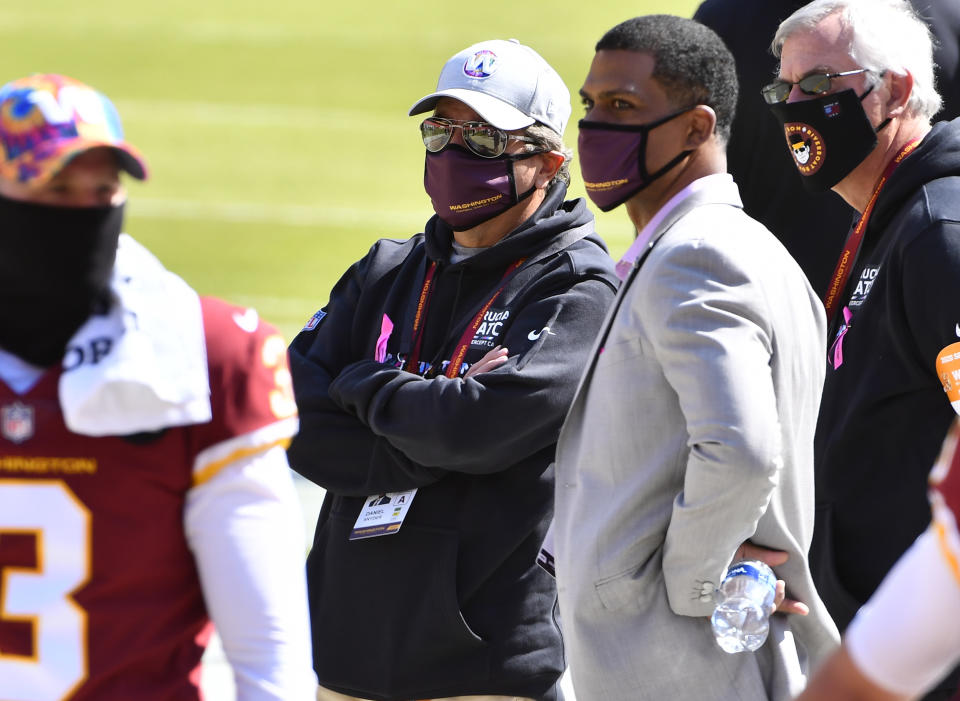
(55,268)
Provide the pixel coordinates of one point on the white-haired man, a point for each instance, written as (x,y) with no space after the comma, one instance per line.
(856,83)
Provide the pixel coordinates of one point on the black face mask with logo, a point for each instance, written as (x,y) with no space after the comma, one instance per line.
(55,269)
(827,137)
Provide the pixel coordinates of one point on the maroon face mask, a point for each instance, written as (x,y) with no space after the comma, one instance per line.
(613,160)
(467,190)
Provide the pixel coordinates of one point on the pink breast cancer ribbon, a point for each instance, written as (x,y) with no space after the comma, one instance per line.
(838,344)
(386,328)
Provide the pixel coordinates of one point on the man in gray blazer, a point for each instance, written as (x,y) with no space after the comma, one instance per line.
(690,441)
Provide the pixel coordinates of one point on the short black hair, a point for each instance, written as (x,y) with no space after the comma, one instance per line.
(690,61)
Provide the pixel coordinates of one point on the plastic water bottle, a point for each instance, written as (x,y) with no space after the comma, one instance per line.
(744,604)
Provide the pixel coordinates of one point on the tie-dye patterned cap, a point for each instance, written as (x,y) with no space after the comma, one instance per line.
(47,119)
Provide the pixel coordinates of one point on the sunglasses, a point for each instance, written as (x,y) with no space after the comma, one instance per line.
(814,84)
(483,139)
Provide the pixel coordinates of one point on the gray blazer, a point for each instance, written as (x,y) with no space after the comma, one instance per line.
(691,432)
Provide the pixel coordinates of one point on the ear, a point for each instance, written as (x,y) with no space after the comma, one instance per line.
(700,125)
(552,160)
(901,87)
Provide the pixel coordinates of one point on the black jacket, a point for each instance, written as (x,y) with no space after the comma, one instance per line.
(884,413)
(453,603)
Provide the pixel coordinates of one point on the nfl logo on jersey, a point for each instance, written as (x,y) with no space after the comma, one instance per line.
(16,422)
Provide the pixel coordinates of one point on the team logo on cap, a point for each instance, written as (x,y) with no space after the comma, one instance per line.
(806,146)
(481,65)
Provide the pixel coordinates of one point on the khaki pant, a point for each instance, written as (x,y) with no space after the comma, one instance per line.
(324,694)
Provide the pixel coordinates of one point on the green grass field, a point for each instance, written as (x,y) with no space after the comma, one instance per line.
(276,130)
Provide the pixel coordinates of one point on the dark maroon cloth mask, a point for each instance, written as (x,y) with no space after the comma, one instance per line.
(613,159)
(467,190)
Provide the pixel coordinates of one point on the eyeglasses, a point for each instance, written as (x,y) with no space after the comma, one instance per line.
(814,84)
(483,139)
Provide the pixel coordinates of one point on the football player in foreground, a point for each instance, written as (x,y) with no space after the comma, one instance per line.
(144,487)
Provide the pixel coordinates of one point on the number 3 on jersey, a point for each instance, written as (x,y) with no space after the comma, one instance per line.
(44,558)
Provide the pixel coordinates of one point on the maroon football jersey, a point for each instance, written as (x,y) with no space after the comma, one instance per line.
(99,593)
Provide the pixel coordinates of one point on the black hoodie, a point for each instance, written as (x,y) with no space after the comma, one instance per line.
(884,413)
(453,603)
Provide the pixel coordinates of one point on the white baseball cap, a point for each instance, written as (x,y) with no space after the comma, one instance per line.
(506,83)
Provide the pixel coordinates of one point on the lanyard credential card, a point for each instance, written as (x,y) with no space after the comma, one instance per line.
(382,514)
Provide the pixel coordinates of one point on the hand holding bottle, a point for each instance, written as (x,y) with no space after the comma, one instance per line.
(773,558)
(749,593)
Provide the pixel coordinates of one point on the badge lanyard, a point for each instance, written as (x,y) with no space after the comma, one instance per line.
(418,319)
(852,247)
(464,345)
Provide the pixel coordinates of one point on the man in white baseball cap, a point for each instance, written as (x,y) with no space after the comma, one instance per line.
(437,376)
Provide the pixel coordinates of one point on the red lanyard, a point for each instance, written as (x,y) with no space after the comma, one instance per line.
(852,247)
(422,305)
(464,345)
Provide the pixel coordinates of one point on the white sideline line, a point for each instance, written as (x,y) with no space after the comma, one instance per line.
(392,224)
